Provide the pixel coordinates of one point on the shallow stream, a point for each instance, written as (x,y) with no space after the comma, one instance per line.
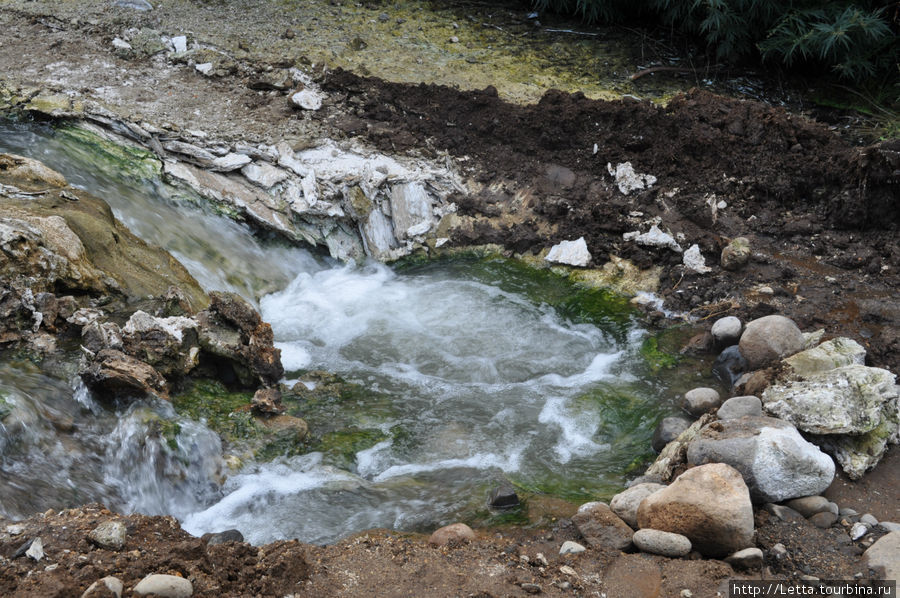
(476,372)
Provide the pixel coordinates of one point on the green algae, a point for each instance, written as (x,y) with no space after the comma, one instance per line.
(116,159)
(339,447)
(655,358)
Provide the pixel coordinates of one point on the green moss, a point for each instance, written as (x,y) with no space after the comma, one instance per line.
(113,159)
(335,404)
(5,408)
(340,446)
(655,358)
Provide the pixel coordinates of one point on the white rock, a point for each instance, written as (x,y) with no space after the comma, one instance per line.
(573,253)
(179,42)
(120,44)
(231,161)
(625,504)
(189,149)
(727,330)
(693,260)
(628,180)
(263,174)
(36,550)
(653,238)
(307,99)
(410,210)
(165,586)
(858,530)
(570,547)
(204,68)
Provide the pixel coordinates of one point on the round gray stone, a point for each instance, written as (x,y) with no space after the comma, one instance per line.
(570,547)
(726,331)
(823,520)
(109,535)
(668,430)
(700,400)
(625,504)
(809,505)
(869,519)
(659,542)
(102,587)
(769,339)
(736,407)
(748,558)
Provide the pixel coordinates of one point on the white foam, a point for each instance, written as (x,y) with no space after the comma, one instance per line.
(577,430)
(508,463)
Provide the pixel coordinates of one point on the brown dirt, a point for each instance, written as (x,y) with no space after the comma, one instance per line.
(822,216)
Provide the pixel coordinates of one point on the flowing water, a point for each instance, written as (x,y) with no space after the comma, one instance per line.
(475,372)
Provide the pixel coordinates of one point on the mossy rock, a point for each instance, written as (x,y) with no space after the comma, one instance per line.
(113,157)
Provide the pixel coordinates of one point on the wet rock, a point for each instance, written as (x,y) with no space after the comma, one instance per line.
(737,407)
(572,253)
(746,559)
(411,210)
(170,345)
(455,533)
(600,527)
(570,547)
(504,497)
(729,366)
(668,430)
(232,330)
(627,180)
(693,260)
(625,504)
(726,331)
(809,505)
(109,534)
(164,586)
(267,401)
(768,339)
(700,400)
(709,504)
(660,542)
(775,461)
(883,556)
(114,373)
(229,535)
(836,353)
(28,174)
(103,587)
(736,254)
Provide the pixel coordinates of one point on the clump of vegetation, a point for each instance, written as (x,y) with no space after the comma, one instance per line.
(856,39)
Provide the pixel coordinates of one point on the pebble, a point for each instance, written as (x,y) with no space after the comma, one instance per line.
(532,588)
(778,551)
(858,530)
(748,558)
(541,560)
(727,331)
(229,535)
(120,44)
(307,99)
(660,542)
(164,586)
(36,550)
(809,505)
(782,512)
(109,535)
(454,39)
(869,519)
(110,583)
(700,400)
(847,512)
(204,68)
(890,526)
(823,520)
(179,42)
(567,570)
(454,533)
(570,547)
(504,497)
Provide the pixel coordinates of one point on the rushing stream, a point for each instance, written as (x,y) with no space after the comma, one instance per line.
(490,374)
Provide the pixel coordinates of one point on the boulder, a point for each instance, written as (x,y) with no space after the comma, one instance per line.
(660,542)
(171,345)
(726,331)
(668,430)
(455,533)
(700,400)
(675,453)
(736,407)
(768,339)
(625,504)
(860,453)
(601,528)
(847,400)
(775,461)
(836,353)
(736,254)
(883,556)
(709,504)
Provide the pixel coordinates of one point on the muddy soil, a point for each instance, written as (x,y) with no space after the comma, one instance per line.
(821,215)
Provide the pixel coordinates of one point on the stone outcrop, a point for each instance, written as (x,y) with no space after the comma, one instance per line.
(709,504)
(775,461)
